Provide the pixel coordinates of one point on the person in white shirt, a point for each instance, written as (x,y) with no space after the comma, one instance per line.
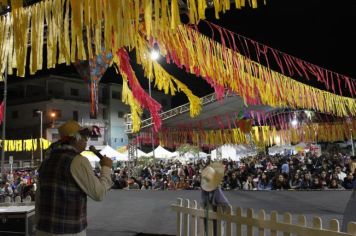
(340,174)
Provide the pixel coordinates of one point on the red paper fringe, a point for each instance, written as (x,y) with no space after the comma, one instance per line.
(138,92)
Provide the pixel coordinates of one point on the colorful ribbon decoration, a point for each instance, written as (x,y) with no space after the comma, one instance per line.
(256,84)
(92,71)
(26,145)
(261,135)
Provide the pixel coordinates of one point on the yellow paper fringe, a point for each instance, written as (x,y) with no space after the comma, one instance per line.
(249,79)
(108,25)
(261,135)
(128,99)
(26,145)
(164,81)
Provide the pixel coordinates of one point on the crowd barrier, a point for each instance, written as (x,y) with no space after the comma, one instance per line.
(191,220)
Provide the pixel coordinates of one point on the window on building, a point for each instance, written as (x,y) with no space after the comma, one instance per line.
(121,114)
(55,136)
(75,115)
(15,115)
(164,102)
(74,92)
(122,140)
(105,116)
(94,138)
(115,95)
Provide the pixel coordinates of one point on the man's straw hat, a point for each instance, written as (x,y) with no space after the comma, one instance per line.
(212,176)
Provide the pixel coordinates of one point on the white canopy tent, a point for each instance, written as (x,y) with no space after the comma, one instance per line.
(162,153)
(234,152)
(113,154)
(191,156)
(280,149)
(93,159)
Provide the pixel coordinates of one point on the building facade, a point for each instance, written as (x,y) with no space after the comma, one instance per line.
(65,98)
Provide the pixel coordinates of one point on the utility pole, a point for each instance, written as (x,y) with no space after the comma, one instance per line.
(4,124)
(152,139)
(41,133)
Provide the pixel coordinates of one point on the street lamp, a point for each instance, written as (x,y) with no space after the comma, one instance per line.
(53,115)
(154,55)
(41,133)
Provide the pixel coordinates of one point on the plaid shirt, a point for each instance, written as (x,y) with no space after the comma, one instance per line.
(63,205)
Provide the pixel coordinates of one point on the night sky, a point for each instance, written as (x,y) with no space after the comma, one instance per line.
(322,32)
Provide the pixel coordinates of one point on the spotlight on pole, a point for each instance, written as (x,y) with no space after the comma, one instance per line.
(154,55)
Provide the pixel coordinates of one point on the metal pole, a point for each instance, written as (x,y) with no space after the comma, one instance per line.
(152,139)
(41,133)
(352,145)
(4,124)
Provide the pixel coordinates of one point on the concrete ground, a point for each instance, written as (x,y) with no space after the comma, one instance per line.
(131,212)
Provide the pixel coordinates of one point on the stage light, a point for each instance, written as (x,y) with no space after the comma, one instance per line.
(154,55)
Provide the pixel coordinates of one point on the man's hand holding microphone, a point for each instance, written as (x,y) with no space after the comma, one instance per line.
(104,160)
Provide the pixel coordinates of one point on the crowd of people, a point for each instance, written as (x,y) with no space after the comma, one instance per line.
(260,172)
(18,183)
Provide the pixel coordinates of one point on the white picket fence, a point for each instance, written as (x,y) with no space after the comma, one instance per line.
(191,218)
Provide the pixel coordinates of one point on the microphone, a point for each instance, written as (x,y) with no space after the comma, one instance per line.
(96,152)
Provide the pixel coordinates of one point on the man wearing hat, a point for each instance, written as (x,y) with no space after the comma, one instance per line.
(212,195)
(65,180)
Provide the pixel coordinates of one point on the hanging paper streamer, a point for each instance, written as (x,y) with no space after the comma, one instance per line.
(92,71)
(136,109)
(123,61)
(256,84)
(26,145)
(288,65)
(73,26)
(260,135)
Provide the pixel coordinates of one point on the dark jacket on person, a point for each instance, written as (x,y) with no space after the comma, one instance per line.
(63,205)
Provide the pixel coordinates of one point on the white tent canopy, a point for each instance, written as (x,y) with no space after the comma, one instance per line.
(162,153)
(93,159)
(280,149)
(200,155)
(113,154)
(234,152)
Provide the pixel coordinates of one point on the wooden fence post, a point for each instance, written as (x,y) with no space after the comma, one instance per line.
(194,219)
(317,223)
(185,219)
(228,222)
(351,228)
(219,226)
(261,218)
(274,220)
(302,221)
(249,227)
(180,203)
(287,218)
(238,224)
(334,225)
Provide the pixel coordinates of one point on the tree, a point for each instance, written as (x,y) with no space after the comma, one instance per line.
(187,148)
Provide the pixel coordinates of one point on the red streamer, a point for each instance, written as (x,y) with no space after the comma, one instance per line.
(140,95)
